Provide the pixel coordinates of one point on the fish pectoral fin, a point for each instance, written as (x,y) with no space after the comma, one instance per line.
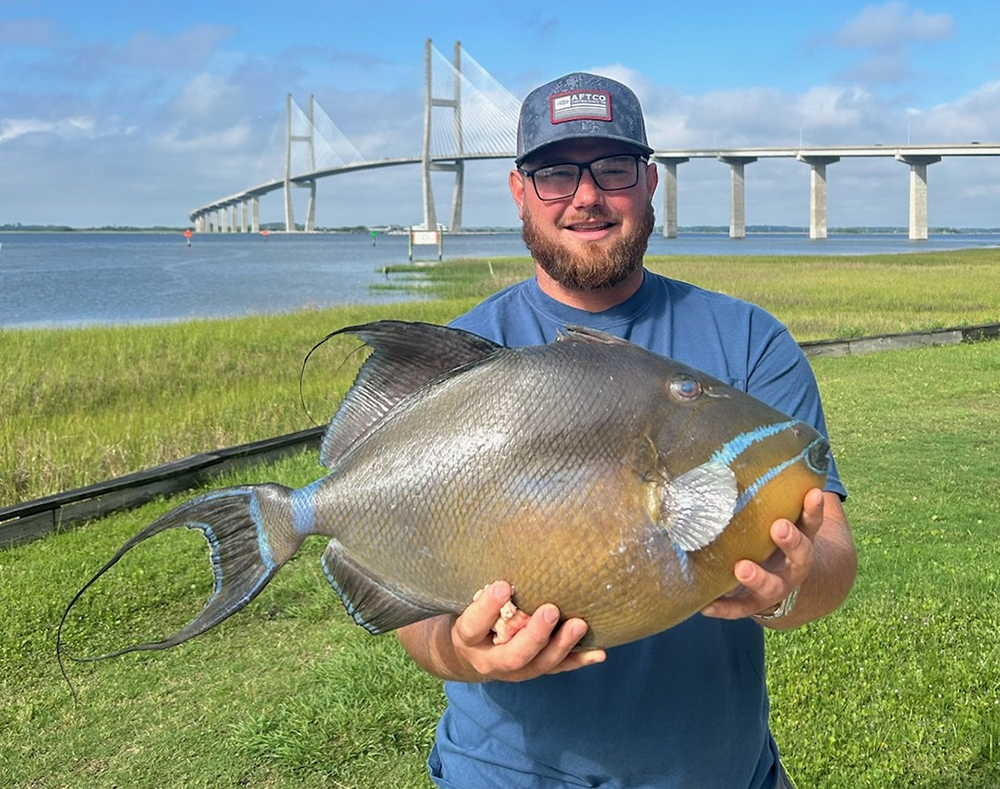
(699,504)
(374,605)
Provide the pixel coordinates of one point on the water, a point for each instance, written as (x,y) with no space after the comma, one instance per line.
(73,279)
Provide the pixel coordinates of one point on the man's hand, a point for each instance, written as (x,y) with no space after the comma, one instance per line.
(463,648)
(821,527)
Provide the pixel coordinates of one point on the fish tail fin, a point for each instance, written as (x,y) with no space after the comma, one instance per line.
(251,532)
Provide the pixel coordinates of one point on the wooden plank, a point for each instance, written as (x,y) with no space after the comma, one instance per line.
(30,520)
(900,342)
(28,528)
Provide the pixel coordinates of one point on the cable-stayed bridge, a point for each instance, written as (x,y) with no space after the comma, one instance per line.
(469,115)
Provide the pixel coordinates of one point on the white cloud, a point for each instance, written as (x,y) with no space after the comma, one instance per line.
(233,138)
(67,128)
(190,48)
(893,25)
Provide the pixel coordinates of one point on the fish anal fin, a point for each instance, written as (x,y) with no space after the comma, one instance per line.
(374,605)
(699,504)
(405,356)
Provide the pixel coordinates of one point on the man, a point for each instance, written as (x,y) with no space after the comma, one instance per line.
(687,707)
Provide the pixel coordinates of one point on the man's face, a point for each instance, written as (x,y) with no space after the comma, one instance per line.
(595,239)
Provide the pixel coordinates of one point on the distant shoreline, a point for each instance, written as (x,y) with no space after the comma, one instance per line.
(692,230)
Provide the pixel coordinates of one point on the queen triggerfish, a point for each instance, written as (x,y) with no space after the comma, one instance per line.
(619,485)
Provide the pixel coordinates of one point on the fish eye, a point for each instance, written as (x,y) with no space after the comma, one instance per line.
(684,387)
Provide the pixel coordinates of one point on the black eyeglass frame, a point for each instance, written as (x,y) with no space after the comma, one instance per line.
(580,167)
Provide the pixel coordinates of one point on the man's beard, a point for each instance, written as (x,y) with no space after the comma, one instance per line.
(597,268)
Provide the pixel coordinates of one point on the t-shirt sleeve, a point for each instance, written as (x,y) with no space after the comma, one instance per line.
(782,377)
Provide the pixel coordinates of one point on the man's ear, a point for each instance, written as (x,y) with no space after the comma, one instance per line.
(652,178)
(516,183)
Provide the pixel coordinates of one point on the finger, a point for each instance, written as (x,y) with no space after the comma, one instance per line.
(575,660)
(476,622)
(557,654)
(812,512)
(796,552)
(760,589)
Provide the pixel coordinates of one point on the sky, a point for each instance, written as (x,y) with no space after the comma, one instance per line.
(133,113)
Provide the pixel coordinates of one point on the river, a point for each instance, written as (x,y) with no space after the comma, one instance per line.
(79,278)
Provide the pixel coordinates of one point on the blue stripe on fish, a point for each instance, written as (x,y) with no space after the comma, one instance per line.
(735,447)
(214,552)
(771,473)
(685,564)
(263,541)
(304,509)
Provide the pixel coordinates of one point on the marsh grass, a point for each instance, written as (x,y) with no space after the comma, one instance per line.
(82,405)
(900,688)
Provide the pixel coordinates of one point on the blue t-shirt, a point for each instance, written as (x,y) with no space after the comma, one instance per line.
(684,708)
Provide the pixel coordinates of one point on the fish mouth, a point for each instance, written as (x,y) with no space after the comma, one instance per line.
(818,455)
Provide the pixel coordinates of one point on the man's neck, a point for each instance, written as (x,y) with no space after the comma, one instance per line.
(589,300)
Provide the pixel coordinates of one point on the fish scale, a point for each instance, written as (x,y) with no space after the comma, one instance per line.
(590,473)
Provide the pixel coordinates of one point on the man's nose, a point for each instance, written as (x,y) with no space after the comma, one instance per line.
(587,191)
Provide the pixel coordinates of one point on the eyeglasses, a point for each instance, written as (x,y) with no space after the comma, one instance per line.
(610,173)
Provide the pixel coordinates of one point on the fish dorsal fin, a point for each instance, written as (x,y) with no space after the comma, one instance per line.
(372,604)
(699,505)
(405,356)
(582,334)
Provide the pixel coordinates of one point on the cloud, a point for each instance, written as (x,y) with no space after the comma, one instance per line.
(886,35)
(71,128)
(975,116)
(191,48)
(206,95)
(893,25)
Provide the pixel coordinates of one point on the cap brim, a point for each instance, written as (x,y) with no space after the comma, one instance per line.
(639,147)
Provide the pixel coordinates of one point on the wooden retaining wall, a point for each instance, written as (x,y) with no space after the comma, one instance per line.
(30,520)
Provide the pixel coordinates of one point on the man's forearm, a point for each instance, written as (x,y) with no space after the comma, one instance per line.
(429,644)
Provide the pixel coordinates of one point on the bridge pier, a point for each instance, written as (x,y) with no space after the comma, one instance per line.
(817,193)
(670,194)
(737,199)
(255,214)
(918,192)
(311,208)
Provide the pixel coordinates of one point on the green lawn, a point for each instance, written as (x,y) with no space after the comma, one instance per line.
(900,688)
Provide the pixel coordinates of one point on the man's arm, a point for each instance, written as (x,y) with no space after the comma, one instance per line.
(817,555)
(461,648)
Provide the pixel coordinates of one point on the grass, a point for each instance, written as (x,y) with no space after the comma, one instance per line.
(79,406)
(900,688)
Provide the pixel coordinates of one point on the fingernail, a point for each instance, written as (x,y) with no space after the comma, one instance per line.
(500,591)
(550,615)
(784,530)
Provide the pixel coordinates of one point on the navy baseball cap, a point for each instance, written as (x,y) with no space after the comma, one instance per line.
(579,106)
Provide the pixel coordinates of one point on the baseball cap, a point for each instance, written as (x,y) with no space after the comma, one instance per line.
(577,106)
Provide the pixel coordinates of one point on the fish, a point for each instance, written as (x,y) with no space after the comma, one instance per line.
(589,472)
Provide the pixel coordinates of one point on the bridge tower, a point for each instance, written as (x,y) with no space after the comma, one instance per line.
(429,166)
(311,140)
